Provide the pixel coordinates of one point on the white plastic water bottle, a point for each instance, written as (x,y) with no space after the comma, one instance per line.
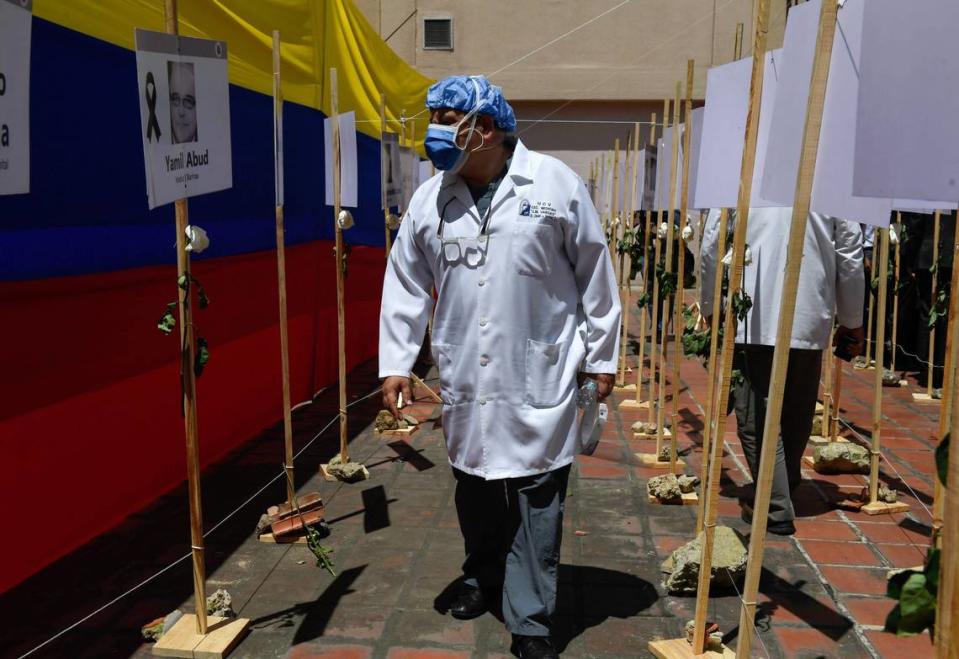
(592,419)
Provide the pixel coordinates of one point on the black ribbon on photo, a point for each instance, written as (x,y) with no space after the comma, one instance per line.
(153,126)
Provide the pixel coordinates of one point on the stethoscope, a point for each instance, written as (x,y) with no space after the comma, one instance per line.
(471,251)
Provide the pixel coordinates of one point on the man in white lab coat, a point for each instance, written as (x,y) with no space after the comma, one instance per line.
(526,308)
(831,284)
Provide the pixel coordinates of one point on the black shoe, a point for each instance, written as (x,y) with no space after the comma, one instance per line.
(534,647)
(469,604)
(779,528)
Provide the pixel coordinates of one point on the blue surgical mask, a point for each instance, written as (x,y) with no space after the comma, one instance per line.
(441,146)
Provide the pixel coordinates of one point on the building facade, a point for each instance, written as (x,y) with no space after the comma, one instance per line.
(578,73)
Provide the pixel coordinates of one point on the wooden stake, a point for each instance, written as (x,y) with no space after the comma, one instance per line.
(281,270)
(647,276)
(670,649)
(626,262)
(383,166)
(668,269)
(711,403)
(948,386)
(947,611)
(188,378)
(654,280)
(777,380)
(614,211)
(836,398)
(895,294)
(340,293)
(680,297)
(827,387)
(927,397)
(738,47)
(872,302)
(875,506)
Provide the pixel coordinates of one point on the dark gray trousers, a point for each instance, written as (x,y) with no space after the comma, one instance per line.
(512,530)
(799,404)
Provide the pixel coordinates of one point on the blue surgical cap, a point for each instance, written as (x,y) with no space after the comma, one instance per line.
(459,93)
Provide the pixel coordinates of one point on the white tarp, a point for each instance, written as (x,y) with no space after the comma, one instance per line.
(15,22)
(348,168)
(907,135)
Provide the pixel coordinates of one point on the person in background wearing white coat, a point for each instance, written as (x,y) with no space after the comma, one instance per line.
(526,309)
(830,285)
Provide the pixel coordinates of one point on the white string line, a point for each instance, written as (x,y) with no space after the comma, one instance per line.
(186,556)
(918,358)
(891,465)
(639,58)
(752,623)
(560,37)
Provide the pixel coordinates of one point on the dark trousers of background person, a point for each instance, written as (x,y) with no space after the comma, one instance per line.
(799,404)
(512,529)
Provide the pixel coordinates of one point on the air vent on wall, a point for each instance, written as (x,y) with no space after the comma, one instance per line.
(438,34)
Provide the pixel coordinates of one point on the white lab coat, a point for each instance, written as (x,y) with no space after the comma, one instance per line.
(831,279)
(511,333)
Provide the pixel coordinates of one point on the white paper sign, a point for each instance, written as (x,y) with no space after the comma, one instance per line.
(409,173)
(832,192)
(907,136)
(390,170)
(184,116)
(665,162)
(695,145)
(724,133)
(15,22)
(348,170)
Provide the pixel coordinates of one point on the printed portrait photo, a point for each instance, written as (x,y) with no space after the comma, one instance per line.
(182,102)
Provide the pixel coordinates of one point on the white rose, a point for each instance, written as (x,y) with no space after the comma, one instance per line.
(345,220)
(196,239)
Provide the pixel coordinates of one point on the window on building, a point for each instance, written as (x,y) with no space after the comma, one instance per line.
(438,34)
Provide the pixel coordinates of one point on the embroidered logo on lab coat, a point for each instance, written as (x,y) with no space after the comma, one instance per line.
(542,211)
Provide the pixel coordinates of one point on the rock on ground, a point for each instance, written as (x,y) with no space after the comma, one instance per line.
(349,472)
(887,494)
(220,604)
(728,564)
(664,488)
(841,458)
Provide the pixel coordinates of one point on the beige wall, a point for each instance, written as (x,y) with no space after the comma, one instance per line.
(638,51)
(618,68)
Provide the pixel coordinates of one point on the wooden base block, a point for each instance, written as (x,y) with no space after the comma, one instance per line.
(403,432)
(925,398)
(680,648)
(818,440)
(284,540)
(688,499)
(651,460)
(643,435)
(182,640)
(631,404)
(329,477)
(626,387)
(883,508)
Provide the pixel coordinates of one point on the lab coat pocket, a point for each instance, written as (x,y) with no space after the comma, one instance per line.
(545,363)
(443,358)
(532,246)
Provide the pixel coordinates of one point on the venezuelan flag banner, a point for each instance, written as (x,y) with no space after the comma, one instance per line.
(89,391)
